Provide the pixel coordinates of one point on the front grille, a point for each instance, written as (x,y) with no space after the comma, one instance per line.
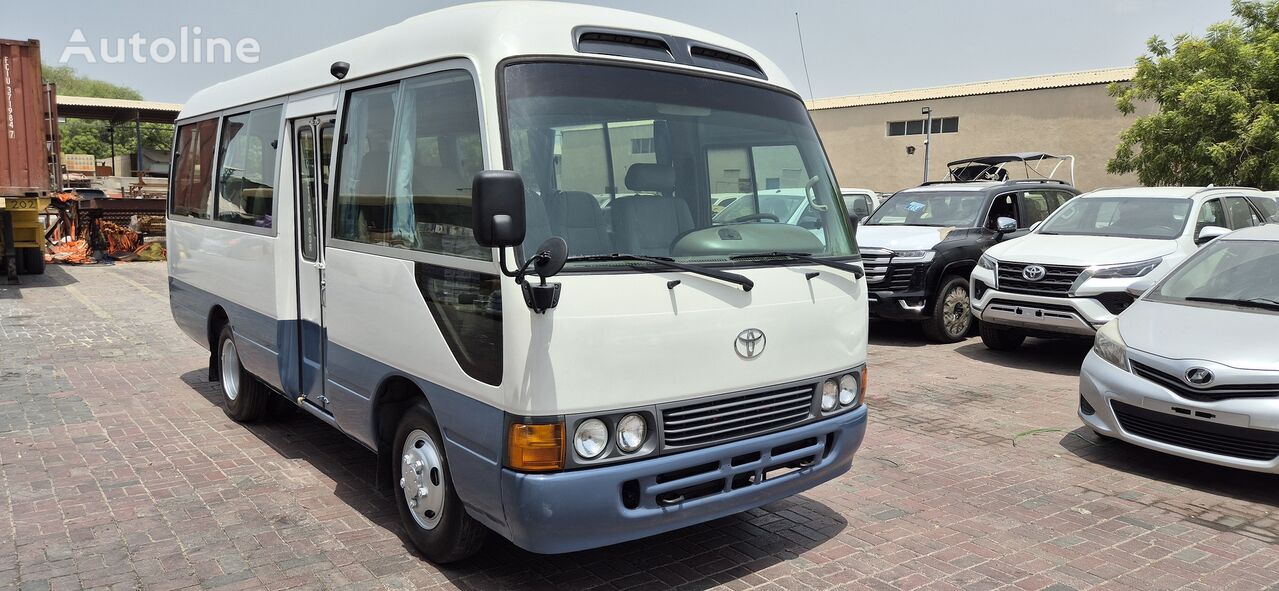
(875,262)
(727,474)
(1211,393)
(1056,282)
(722,419)
(1214,438)
(1116,301)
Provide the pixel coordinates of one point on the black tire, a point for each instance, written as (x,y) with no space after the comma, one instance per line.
(951,316)
(1001,338)
(244,398)
(32,260)
(452,534)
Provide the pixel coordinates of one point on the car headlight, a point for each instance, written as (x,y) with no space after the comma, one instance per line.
(1127,270)
(847,390)
(913,256)
(830,395)
(986,262)
(631,432)
(590,438)
(1110,346)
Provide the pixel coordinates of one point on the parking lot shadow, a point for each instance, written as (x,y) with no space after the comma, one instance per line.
(1233,483)
(897,334)
(1059,356)
(54,276)
(692,557)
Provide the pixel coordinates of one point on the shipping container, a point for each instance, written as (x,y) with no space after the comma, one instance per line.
(29,172)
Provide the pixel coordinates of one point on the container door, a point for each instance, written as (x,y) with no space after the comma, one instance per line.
(314,143)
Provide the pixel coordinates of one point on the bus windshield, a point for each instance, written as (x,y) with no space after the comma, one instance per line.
(638,161)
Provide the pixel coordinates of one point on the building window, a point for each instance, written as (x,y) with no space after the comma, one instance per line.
(642,145)
(916,126)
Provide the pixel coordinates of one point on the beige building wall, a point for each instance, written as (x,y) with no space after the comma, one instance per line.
(1078,120)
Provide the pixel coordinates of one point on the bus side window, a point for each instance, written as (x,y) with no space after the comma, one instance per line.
(436,154)
(365,165)
(246,175)
(193,169)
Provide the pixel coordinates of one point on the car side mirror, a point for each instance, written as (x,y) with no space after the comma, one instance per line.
(1139,288)
(1005,225)
(497,208)
(1208,233)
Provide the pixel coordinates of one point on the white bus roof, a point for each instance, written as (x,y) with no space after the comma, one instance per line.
(485,32)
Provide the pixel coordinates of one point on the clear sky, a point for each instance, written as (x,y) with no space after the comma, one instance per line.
(853,46)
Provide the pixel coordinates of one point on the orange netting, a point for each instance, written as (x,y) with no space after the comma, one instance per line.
(75,252)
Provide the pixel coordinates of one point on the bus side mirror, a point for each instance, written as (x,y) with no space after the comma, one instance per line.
(497,208)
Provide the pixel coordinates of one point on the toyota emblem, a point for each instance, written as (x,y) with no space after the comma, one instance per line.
(1199,376)
(1033,273)
(750,343)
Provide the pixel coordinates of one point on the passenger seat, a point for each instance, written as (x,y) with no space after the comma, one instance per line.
(648,224)
(576,217)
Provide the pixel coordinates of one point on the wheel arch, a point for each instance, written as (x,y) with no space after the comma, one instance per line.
(217,318)
(395,394)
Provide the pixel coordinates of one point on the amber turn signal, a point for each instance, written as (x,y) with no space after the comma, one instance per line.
(536,448)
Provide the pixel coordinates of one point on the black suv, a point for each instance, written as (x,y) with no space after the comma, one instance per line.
(920,246)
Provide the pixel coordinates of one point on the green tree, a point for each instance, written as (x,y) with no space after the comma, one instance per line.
(84,136)
(1218,100)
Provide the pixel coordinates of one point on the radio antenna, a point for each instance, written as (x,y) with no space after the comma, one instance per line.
(803,57)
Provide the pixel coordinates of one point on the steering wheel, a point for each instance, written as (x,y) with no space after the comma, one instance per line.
(757,217)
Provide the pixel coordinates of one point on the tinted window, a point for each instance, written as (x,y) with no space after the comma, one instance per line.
(307,190)
(193,169)
(1211,213)
(246,177)
(1240,213)
(1035,206)
(1267,206)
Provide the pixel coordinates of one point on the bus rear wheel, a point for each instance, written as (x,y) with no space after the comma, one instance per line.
(430,510)
(244,398)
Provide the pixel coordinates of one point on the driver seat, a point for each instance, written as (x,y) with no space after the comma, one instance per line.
(649,224)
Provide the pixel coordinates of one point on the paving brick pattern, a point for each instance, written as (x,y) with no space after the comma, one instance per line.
(119,471)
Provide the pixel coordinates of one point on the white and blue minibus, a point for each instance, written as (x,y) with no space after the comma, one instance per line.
(481,243)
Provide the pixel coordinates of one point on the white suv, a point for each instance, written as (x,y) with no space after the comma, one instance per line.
(1069,275)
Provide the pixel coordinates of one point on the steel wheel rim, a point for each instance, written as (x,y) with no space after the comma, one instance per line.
(422,479)
(955,313)
(230,370)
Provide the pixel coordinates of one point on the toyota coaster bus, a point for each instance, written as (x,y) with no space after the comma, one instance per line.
(480,243)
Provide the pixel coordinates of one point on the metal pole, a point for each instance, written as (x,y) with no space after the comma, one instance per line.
(137,130)
(111,136)
(928,137)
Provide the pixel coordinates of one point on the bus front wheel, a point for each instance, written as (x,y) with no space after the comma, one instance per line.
(430,510)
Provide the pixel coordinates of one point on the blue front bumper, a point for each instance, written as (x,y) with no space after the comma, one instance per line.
(569,511)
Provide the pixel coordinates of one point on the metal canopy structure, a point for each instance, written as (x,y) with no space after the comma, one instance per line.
(117,110)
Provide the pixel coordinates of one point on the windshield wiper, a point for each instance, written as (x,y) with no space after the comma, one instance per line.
(799,256)
(1262,303)
(668,262)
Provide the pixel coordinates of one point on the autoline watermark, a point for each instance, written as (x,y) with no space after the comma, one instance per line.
(190,47)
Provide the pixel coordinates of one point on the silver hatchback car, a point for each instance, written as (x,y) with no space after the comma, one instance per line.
(1192,368)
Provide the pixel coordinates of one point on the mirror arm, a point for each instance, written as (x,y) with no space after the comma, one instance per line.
(501,259)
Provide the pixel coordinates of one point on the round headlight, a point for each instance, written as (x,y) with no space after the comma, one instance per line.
(590,438)
(847,390)
(830,395)
(631,431)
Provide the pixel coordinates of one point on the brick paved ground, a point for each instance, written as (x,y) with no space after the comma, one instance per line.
(118,470)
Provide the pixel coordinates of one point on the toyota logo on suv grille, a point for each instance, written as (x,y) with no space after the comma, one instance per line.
(1033,273)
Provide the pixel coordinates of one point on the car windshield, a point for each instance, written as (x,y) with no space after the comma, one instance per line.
(636,161)
(1125,217)
(1231,273)
(930,208)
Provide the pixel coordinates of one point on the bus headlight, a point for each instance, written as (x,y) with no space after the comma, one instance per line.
(847,390)
(590,438)
(830,395)
(631,432)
